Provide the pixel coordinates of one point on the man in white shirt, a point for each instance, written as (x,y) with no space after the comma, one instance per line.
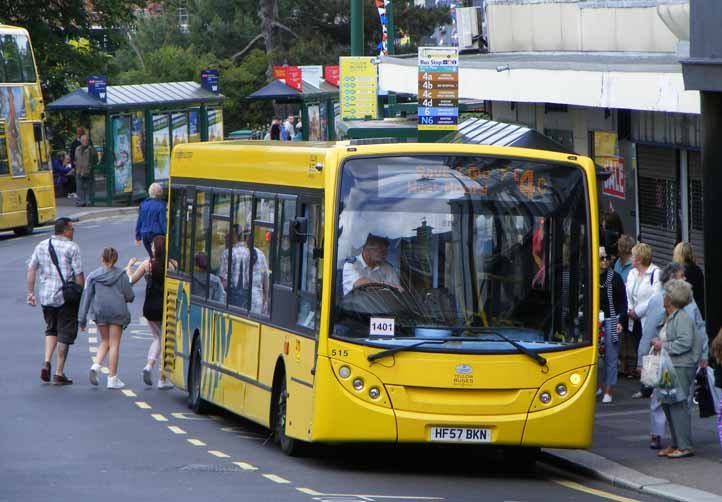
(289,126)
(370,267)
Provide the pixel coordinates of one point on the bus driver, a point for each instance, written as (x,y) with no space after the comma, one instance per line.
(370,267)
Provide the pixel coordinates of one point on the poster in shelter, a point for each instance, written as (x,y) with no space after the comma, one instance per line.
(161,146)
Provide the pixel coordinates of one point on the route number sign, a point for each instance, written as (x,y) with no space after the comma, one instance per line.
(438,88)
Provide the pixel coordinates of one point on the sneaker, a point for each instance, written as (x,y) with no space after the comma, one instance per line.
(681,453)
(146,377)
(61,380)
(655,442)
(607,399)
(93,376)
(666,451)
(599,392)
(637,395)
(164,384)
(45,372)
(115,383)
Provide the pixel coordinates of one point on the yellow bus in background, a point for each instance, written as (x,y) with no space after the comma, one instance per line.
(476,323)
(27,195)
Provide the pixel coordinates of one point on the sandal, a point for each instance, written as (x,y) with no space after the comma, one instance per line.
(666,451)
(681,453)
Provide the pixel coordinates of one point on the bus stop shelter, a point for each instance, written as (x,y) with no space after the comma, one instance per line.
(318,106)
(135,129)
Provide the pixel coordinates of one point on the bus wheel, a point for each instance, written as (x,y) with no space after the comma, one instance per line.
(31,212)
(289,446)
(195,402)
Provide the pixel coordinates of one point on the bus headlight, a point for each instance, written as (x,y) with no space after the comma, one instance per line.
(358,384)
(561,389)
(575,379)
(374,393)
(545,397)
(344,372)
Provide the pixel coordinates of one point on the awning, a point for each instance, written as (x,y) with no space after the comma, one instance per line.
(649,82)
(488,132)
(277,90)
(123,97)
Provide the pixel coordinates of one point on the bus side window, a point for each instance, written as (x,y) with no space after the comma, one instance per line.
(284,264)
(220,243)
(239,281)
(199,283)
(260,251)
(4,162)
(309,287)
(175,229)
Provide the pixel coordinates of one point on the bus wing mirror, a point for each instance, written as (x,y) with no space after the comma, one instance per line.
(299,229)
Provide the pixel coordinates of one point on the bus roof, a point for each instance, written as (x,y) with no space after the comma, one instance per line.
(306,164)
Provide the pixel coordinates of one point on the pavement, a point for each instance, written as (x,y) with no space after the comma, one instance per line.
(66,207)
(620,452)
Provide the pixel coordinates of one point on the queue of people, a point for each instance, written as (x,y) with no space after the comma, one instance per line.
(284,130)
(644,310)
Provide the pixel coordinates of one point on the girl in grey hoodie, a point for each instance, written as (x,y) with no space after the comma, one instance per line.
(105,300)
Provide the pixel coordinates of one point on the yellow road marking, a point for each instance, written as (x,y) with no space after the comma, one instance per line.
(308,491)
(370,497)
(142,405)
(176,430)
(593,491)
(92,339)
(159,417)
(196,442)
(276,479)
(218,454)
(128,393)
(245,466)
(93,349)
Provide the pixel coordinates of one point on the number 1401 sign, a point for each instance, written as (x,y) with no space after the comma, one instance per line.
(381,326)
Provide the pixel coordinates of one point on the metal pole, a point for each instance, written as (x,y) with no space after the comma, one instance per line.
(357,28)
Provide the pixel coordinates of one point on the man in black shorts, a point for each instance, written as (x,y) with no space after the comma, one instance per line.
(61,317)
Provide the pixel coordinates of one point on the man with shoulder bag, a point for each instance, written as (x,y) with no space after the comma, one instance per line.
(58,263)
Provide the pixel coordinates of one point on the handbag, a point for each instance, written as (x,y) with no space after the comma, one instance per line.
(72,291)
(651,369)
(703,394)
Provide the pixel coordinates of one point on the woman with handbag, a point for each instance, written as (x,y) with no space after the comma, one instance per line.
(678,339)
(154,272)
(613,302)
(105,299)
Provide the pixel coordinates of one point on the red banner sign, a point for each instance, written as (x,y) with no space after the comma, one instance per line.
(614,186)
(331,75)
(294,78)
(279,72)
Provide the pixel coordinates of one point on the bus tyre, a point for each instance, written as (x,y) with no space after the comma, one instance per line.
(195,401)
(289,446)
(31,214)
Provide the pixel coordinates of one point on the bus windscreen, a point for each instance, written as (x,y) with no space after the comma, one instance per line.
(467,250)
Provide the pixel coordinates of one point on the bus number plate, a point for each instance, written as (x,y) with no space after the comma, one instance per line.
(460,435)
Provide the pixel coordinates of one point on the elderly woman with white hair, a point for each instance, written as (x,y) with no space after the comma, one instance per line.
(677,337)
(151,218)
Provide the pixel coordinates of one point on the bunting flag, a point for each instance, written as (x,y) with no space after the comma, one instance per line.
(381,8)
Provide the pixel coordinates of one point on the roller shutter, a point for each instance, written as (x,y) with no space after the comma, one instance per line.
(696,208)
(658,188)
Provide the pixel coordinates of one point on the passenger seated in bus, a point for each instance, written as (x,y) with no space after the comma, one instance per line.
(214,286)
(370,267)
(238,289)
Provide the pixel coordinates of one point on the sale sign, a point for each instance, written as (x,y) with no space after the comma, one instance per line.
(614,186)
(331,75)
(294,78)
(279,73)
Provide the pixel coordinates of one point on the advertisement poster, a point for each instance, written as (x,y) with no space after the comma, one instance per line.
(331,74)
(12,109)
(122,165)
(323,121)
(358,89)
(279,73)
(138,137)
(438,91)
(605,155)
(194,129)
(314,123)
(294,78)
(215,125)
(180,128)
(161,147)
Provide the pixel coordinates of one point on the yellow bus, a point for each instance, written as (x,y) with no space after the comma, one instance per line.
(27,195)
(396,293)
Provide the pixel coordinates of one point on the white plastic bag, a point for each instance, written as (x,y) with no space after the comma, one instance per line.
(668,389)
(651,369)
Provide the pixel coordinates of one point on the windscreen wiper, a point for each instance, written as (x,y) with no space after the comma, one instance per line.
(541,361)
(400,348)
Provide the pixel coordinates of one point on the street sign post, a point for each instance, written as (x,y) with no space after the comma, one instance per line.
(359,88)
(438,92)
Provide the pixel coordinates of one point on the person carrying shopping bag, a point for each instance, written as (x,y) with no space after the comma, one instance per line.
(105,300)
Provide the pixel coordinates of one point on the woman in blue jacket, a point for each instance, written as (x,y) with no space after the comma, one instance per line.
(151,218)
